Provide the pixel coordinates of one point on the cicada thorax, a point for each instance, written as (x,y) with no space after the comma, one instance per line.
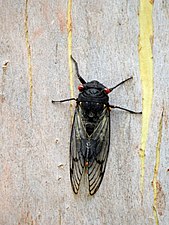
(91,112)
(93,100)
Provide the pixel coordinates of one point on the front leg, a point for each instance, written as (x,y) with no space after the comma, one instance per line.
(65,100)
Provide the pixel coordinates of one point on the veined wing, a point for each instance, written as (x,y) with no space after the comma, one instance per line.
(100,141)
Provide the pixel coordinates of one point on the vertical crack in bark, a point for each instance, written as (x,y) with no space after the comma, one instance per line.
(2,96)
(69,30)
(146,73)
(156,168)
(4,71)
(29,54)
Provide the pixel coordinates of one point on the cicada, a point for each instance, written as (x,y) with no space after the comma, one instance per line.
(90,134)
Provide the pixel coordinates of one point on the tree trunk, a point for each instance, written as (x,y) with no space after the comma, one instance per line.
(111,41)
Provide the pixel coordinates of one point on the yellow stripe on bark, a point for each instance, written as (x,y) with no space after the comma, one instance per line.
(29,58)
(156,169)
(146,73)
(69,30)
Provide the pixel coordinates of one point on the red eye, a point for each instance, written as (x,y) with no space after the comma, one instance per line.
(107,90)
(81,87)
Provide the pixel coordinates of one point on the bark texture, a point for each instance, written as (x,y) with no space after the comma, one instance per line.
(34,143)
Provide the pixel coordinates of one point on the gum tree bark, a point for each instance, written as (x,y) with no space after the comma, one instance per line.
(107,40)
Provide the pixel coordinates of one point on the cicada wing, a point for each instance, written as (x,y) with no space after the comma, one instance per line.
(100,140)
(77,149)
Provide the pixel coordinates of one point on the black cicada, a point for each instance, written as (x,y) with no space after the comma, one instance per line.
(90,135)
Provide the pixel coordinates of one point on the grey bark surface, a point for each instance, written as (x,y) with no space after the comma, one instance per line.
(34,151)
